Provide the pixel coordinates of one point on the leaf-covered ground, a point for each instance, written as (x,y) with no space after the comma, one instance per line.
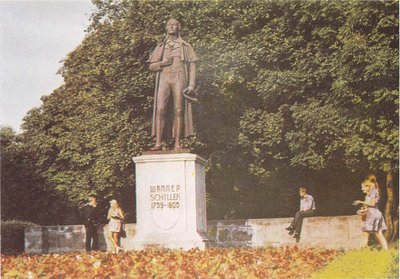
(286,262)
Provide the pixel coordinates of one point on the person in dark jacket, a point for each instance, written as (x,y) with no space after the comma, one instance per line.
(91,217)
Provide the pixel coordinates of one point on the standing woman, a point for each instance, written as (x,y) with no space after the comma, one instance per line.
(116,216)
(374,222)
(375,190)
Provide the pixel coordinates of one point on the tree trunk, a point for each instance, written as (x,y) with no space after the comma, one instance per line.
(392,225)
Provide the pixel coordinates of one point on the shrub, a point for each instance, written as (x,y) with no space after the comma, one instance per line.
(12,236)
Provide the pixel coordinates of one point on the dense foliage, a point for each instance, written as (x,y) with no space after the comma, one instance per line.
(291,93)
(24,193)
(213,263)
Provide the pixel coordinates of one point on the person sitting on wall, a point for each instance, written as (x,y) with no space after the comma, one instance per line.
(307,209)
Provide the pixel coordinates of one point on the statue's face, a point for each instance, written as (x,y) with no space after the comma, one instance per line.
(173,27)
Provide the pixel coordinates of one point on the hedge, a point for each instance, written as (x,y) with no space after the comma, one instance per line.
(13,237)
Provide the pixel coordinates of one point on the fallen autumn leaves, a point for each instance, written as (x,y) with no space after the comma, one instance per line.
(286,262)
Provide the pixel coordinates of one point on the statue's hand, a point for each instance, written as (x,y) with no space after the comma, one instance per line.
(189,90)
(166,62)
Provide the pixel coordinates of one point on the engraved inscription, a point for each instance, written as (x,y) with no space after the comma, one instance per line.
(165,196)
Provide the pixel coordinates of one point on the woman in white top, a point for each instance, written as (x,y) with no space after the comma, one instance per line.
(116,216)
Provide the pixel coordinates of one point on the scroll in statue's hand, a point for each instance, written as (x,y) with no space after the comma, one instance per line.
(189,92)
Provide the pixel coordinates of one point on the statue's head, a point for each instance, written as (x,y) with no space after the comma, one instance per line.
(173,27)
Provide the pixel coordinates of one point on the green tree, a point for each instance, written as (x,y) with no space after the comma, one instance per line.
(367,84)
(24,195)
(341,106)
(291,92)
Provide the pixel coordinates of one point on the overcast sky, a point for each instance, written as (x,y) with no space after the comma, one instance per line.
(34,37)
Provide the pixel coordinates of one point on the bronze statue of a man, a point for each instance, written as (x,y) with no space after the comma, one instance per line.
(174,63)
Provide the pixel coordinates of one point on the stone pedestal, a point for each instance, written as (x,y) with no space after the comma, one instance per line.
(170,201)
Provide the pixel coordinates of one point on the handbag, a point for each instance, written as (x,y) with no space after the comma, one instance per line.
(363,213)
(122,232)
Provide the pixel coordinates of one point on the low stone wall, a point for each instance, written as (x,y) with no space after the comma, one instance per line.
(71,238)
(338,232)
(335,232)
(54,239)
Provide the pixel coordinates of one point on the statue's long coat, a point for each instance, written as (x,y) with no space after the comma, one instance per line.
(187,56)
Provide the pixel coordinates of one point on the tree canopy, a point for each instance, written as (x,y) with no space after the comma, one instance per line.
(291,93)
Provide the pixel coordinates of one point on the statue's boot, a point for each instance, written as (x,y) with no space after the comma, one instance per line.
(156,147)
(178,147)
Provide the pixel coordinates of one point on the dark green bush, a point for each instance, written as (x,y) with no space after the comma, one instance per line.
(13,237)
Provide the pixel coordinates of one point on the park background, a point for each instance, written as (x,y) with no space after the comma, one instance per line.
(292,93)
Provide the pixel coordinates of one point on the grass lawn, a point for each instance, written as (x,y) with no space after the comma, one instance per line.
(364,263)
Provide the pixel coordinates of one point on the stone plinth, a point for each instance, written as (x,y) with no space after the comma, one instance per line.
(170,201)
